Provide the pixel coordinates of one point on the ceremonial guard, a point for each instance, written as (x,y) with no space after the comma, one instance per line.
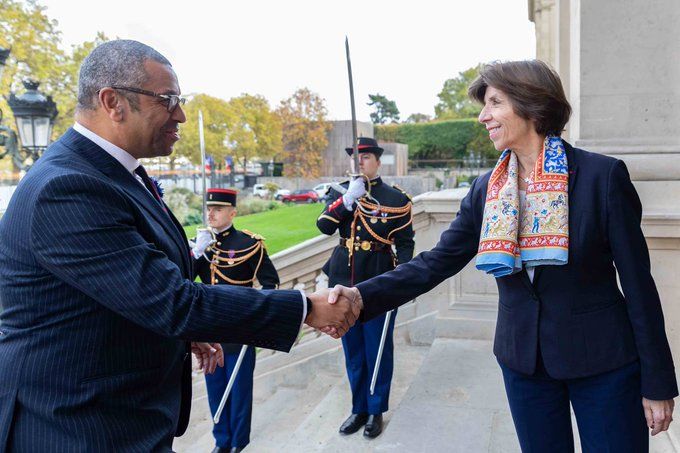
(224,255)
(372,223)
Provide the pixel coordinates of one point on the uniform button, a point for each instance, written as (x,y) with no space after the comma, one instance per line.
(358,238)
(359,227)
(219,243)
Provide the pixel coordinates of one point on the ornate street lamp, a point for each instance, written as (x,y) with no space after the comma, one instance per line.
(34,113)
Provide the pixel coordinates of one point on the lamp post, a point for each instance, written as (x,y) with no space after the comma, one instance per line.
(34,113)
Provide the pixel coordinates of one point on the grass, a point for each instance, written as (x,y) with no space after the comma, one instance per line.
(282,228)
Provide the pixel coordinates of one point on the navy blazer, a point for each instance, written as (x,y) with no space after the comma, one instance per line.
(98,304)
(584,325)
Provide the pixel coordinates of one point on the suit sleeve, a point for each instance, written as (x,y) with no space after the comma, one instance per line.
(631,257)
(456,247)
(403,239)
(266,274)
(334,213)
(86,232)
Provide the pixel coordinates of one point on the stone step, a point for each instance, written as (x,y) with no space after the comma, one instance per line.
(456,403)
(319,431)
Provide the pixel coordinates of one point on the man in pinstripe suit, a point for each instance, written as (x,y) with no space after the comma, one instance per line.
(96,284)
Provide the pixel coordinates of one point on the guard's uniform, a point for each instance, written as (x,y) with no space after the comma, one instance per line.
(236,258)
(364,251)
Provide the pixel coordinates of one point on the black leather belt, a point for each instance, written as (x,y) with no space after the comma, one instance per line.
(364,245)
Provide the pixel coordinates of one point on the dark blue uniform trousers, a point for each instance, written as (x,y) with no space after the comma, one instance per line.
(360,345)
(608,410)
(233,429)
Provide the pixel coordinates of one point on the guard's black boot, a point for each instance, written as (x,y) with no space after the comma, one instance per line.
(353,423)
(373,426)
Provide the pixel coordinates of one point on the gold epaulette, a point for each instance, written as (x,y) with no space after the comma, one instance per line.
(402,191)
(257,237)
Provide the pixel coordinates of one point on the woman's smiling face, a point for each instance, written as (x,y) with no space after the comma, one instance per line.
(506,128)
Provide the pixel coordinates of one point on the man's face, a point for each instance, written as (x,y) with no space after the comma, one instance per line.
(221,216)
(152,131)
(369,164)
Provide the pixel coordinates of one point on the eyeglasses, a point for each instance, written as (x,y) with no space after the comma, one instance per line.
(171,101)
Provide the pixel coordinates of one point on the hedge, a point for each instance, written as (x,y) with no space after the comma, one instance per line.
(451,139)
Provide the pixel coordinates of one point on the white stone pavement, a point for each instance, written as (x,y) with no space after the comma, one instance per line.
(446,398)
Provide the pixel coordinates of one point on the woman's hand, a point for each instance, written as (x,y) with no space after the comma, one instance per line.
(659,414)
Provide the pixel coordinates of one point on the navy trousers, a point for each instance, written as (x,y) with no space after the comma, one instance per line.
(360,345)
(233,429)
(607,406)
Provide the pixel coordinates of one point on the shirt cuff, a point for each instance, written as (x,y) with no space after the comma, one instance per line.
(304,308)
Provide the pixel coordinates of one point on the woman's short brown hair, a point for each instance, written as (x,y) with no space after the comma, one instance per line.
(534,89)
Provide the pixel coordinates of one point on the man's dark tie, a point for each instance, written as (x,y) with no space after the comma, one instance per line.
(150,186)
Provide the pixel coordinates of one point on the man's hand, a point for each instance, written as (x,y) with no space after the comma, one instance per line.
(203,240)
(334,319)
(659,414)
(209,356)
(355,190)
(340,292)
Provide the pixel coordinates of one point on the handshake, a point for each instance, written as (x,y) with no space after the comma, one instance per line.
(334,311)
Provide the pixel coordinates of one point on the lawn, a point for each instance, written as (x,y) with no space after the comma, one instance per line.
(282,228)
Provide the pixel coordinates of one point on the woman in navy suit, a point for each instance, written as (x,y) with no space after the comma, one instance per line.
(553,224)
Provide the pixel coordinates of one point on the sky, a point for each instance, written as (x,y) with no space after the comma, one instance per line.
(404,50)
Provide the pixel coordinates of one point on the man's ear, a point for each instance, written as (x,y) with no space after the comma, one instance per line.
(112,103)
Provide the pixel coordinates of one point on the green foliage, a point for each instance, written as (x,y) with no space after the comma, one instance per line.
(215,116)
(454,102)
(271,187)
(253,130)
(418,118)
(305,132)
(454,139)
(185,205)
(385,109)
(252,205)
(35,54)
(282,228)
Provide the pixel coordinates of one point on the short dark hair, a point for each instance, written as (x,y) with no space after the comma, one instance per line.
(534,88)
(118,62)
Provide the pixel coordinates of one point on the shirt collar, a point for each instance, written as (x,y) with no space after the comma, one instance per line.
(223,230)
(122,156)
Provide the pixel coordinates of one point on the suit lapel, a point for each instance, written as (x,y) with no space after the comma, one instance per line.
(105,163)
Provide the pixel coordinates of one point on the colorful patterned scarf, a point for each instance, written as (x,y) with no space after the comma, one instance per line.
(540,234)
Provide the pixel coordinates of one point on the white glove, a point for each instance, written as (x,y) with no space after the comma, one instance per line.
(203,240)
(356,190)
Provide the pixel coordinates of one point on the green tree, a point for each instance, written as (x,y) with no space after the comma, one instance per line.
(385,109)
(216,115)
(253,129)
(418,118)
(35,54)
(453,99)
(305,132)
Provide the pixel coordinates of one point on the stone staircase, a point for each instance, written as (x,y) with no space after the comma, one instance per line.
(447,397)
(300,407)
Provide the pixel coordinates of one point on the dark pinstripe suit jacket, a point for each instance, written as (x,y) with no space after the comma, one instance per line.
(97,306)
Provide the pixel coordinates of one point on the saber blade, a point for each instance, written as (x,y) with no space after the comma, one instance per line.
(230,384)
(374,379)
(354,165)
(201,142)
